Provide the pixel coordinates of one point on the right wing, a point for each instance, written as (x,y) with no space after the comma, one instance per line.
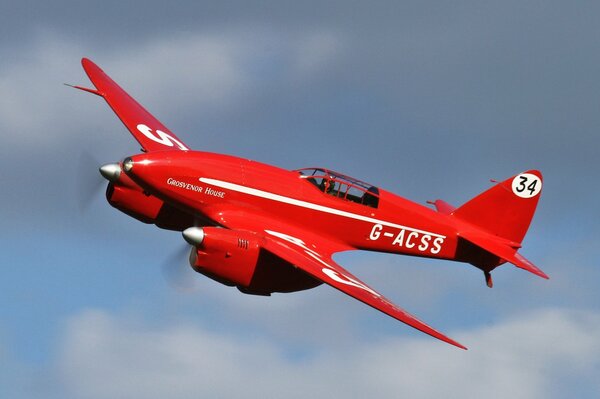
(323,268)
(147,130)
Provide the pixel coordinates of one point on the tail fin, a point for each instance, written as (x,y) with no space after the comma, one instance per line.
(496,222)
(506,209)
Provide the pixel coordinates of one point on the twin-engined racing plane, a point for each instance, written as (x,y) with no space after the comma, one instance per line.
(264,229)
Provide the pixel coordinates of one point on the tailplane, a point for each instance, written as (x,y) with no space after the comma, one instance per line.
(493,224)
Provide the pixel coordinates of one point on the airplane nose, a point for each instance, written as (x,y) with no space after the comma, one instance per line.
(111,171)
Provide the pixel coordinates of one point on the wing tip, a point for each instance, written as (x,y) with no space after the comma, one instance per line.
(459,345)
(463,347)
(447,340)
(540,273)
(419,325)
(92,70)
(86,62)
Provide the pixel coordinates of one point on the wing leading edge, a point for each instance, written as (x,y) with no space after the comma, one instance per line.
(145,128)
(324,269)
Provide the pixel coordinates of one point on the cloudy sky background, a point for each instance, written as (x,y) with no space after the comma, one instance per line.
(427,100)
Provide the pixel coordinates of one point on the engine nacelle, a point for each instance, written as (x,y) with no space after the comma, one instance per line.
(227,256)
(134,202)
(125,195)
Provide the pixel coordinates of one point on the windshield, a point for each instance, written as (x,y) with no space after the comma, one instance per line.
(342,186)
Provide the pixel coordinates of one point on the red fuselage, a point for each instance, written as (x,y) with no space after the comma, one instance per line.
(197,181)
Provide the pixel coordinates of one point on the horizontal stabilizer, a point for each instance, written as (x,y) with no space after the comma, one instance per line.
(502,249)
(523,263)
(443,207)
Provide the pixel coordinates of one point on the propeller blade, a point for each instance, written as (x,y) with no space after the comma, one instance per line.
(176,271)
(89,181)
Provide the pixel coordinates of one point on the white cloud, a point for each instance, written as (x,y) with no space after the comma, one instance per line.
(524,357)
(177,362)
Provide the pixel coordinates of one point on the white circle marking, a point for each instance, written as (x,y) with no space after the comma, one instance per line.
(526,185)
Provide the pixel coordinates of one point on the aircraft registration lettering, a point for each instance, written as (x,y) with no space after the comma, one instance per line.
(408,239)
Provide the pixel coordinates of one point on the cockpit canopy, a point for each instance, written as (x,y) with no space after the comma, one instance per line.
(341,186)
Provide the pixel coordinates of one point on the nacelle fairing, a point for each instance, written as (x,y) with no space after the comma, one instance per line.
(134,202)
(227,256)
(128,197)
(235,258)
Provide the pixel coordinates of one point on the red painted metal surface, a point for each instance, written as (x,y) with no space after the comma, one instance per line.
(266,229)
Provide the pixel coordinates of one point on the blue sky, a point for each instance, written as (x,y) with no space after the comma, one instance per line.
(429,100)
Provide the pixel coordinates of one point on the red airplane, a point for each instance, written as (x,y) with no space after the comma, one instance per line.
(264,229)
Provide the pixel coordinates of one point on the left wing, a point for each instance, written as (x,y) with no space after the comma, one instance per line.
(312,254)
(147,130)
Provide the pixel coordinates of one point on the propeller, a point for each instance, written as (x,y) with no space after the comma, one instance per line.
(179,277)
(176,271)
(89,182)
